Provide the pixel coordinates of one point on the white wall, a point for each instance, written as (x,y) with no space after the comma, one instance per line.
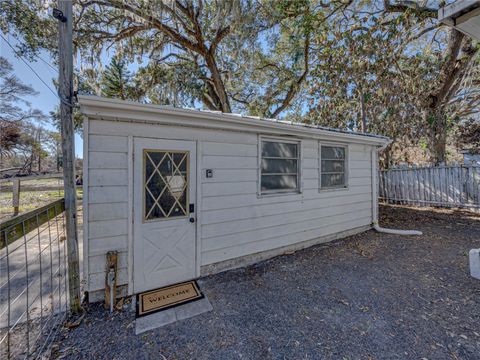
(234,221)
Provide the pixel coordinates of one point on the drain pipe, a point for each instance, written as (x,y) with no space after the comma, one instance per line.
(375,199)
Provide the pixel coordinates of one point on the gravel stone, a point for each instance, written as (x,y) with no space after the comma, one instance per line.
(369,296)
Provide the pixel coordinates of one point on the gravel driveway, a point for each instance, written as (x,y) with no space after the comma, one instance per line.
(370,296)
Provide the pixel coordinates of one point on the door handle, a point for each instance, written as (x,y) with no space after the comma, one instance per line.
(192,220)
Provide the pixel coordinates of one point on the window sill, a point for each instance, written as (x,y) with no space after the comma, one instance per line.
(321,190)
(276,194)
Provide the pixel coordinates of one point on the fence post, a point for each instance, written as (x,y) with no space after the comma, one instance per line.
(16,196)
(476,185)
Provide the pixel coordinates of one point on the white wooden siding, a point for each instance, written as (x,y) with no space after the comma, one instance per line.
(237,222)
(105,177)
(233,220)
(105,143)
(287,239)
(107,206)
(108,211)
(108,160)
(278,220)
(226,202)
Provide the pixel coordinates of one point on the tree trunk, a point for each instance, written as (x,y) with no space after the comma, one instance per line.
(438,135)
(386,158)
(218,83)
(32,159)
(57,155)
(363,111)
(39,149)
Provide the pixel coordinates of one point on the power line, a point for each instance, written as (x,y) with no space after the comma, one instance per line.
(30,67)
(47,63)
(38,56)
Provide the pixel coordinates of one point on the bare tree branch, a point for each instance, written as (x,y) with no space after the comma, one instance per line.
(293,89)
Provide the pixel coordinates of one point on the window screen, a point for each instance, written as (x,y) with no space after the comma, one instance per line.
(333,167)
(279,166)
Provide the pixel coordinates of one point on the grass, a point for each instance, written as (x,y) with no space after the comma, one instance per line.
(30,198)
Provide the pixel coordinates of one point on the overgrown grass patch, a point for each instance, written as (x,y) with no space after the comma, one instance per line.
(30,200)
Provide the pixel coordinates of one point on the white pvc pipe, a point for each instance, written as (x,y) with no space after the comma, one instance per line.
(375,202)
(396,231)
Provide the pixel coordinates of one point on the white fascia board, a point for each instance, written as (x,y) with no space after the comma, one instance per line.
(456,9)
(119,110)
(463,15)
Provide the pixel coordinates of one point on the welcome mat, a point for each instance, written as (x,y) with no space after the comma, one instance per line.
(167,297)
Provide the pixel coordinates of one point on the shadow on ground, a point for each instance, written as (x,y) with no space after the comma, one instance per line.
(370,296)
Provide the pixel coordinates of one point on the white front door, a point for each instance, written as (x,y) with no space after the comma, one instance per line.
(164,250)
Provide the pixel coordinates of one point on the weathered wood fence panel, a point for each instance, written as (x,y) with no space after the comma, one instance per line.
(443,186)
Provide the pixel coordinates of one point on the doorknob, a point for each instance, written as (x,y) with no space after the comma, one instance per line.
(192,220)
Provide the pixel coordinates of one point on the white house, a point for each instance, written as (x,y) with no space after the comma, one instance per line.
(183,193)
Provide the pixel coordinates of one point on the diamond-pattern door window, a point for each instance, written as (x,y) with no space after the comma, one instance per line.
(166,184)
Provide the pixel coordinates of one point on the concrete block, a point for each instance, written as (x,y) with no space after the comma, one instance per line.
(474,256)
(155,320)
(193,308)
(168,316)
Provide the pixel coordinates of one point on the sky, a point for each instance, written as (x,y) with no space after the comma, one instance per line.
(45,100)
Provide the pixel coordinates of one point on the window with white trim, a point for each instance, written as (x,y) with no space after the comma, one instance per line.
(333,167)
(279,166)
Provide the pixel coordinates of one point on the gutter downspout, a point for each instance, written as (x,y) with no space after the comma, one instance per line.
(377,227)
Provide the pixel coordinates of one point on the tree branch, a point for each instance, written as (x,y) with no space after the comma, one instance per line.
(423,32)
(221,33)
(293,89)
(451,69)
(167,30)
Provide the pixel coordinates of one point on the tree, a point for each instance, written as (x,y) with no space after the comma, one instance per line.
(458,59)
(9,137)
(116,80)
(380,69)
(375,66)
(216,42)
(14,109)
(222,47)
(54,141)
(17,119)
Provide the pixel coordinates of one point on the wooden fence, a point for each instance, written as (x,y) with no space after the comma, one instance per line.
(442,186)
(15,187)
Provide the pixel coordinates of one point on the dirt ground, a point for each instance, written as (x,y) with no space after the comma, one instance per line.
(369,296)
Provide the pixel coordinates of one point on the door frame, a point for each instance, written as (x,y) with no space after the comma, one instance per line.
(131,204)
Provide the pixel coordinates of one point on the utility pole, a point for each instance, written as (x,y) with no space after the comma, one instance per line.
(65,87)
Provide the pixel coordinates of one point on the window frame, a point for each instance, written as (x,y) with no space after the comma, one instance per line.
(144,163)
(346,167)
(289,140)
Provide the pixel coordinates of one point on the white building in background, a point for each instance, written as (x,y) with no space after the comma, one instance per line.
(463,15)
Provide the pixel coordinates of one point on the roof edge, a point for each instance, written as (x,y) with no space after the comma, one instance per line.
(95,106)
(449,13)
